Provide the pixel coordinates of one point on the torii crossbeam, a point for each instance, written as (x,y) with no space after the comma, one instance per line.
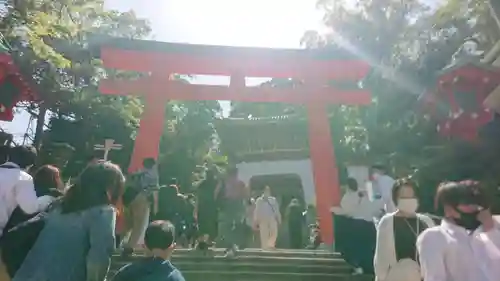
(315,67)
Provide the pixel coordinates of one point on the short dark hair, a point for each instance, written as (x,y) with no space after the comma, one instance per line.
(23,156)
(398,185)
(463,192)
(159,235)
(148,162)
(352,183)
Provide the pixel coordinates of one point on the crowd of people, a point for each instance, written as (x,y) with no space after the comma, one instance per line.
(55,231)
(383,233)
(51,230)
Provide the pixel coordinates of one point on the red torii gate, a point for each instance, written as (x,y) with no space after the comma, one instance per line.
(315,67)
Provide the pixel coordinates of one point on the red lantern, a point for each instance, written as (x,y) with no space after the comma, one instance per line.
(461,90)
(13,88)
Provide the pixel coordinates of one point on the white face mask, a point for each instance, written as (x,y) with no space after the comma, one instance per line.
(376,176)
(408,205)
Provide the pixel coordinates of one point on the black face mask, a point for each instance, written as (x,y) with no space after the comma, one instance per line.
(468,221)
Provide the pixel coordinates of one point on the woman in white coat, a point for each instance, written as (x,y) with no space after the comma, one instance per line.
(267,218)
(396,255)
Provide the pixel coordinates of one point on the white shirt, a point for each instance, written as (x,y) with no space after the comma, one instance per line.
(266,208)
(449,253)
(382,186)
(352,205)
(17,189)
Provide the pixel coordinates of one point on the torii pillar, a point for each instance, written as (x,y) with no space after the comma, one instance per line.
(315,67)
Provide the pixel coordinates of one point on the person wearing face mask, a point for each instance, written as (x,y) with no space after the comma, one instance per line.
(396,256)
(466,246)
(355,229)
(382,185)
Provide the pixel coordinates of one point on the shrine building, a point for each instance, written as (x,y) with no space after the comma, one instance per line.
(274,151)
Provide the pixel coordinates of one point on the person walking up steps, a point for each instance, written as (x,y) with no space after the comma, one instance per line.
(146,183)
(78,235)
(231,194)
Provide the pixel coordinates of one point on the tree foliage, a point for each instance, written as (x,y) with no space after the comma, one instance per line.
(49,40)
(407,43)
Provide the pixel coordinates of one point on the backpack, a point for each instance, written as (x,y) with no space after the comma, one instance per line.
(16,242)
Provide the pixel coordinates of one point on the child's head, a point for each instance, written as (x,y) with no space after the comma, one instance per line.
(160,238)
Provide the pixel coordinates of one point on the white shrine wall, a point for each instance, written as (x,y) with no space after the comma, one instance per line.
(302,168)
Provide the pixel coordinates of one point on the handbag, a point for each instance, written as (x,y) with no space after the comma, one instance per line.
(406,269)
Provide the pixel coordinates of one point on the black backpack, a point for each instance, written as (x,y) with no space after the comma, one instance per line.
(16,242)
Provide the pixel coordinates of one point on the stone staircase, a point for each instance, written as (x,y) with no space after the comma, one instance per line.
(257,265)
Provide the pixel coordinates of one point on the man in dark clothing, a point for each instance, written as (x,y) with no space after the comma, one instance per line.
(160,243)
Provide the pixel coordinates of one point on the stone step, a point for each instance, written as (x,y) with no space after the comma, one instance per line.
(207,275)
(242,266)
(255,264)
(291,261)
(259,252)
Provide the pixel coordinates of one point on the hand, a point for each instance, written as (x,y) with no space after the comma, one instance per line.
(486,219)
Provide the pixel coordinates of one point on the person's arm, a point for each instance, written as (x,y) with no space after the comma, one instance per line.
(26,197)
(101,225)
(430,247)
(491,226)
(381,260)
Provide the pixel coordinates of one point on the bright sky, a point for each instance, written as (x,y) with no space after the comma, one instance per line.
(262,23)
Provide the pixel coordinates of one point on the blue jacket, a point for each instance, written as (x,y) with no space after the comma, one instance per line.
(72,247)
(149,269)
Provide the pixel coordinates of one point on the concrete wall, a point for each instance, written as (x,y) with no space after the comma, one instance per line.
(302,168)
